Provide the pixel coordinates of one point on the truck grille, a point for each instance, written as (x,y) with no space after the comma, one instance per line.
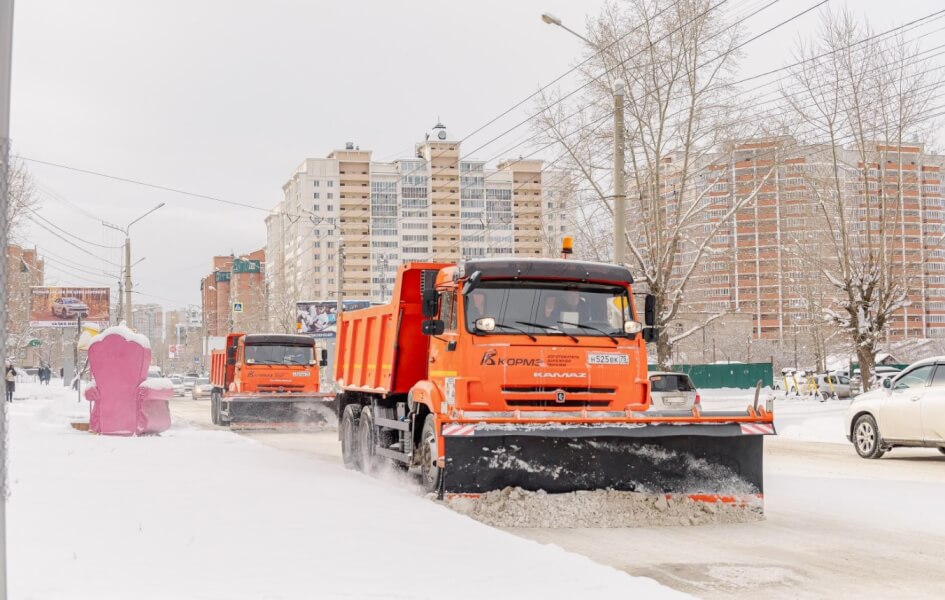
(550,389)
(283,387)
(556,404)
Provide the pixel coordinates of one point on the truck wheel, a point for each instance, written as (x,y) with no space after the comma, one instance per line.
(215,408)
(367,442)
(348,432)
(429,471)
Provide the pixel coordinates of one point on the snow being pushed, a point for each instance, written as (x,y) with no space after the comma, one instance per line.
(123,331)
(515,507)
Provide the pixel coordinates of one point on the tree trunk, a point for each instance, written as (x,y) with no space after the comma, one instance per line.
(866,355)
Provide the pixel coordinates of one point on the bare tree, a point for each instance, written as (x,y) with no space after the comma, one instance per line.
(863,98)
(22,198)
(676,60)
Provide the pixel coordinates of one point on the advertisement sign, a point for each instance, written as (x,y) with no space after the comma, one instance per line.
(59,306)
(318,318)
(221,276)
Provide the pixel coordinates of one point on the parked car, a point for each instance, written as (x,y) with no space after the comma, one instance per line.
(178,382)
(67,307)
(202,388)
(909,410)
(672,391)
(829,384)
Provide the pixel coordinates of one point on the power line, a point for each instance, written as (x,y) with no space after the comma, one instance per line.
(70,234)
(70,242)
(144,184)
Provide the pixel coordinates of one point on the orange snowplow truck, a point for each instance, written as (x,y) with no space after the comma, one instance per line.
(267,380)
(528,373)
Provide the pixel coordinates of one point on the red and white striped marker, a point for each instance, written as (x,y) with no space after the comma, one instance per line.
(757,428)
(458,429)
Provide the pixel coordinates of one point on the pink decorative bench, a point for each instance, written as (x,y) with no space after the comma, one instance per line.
(123,400)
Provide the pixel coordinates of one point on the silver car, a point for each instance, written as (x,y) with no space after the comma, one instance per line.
(909,410)
(672,391)
(202,388)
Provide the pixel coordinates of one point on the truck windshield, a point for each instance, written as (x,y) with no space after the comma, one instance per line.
(270,354)
(542,307)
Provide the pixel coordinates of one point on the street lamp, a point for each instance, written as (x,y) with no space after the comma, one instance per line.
(619,192)
(128,265)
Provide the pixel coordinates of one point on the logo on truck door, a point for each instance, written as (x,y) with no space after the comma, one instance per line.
(490,359)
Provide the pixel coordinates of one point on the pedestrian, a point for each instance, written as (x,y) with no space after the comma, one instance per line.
(47,374)
(10,377)
(61,372)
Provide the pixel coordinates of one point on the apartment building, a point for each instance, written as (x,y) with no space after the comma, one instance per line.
(233,295)
(347,222)
(148,320)
(769,260)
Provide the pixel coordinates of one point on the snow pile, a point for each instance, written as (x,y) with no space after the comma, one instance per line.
(158,383)
(210,514)
(799,418)
(124,332)
(514,507)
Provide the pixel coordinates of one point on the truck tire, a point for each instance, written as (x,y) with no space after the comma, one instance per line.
(367,442)
(429,472)
(348,432)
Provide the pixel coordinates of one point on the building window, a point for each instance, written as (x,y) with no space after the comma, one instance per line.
(315,206)
(331,196)
(331,184)
(316,183)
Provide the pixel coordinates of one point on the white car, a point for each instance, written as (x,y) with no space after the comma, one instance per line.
(829,385)
(202,388)
(672,391)
(178,382)
(909,410)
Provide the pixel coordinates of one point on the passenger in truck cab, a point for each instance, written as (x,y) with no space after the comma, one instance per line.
(568,306)
(475,306)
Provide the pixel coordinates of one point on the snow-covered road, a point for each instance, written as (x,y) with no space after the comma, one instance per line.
(836,525)
(201,513)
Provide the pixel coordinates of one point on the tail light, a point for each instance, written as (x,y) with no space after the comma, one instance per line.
(698,398)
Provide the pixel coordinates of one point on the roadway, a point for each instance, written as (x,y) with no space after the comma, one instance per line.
(835,525)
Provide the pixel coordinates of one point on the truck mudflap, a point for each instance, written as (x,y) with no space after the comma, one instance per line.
(278,411)
(711,461)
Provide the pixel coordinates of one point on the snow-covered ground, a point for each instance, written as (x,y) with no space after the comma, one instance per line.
(197,513)
(796,418)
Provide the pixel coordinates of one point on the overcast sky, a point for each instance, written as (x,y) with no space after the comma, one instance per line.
(226,98)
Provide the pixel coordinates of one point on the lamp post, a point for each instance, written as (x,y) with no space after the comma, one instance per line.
(128,265)
(619,184)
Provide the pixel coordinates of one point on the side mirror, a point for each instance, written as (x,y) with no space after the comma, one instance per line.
(649,310)
(651,334)
(430,303)
(323,362)
(887,383)
(433,327)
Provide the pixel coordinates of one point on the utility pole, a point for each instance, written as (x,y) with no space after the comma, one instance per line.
(338,280)
(130,317)
(620,195)
(6,60)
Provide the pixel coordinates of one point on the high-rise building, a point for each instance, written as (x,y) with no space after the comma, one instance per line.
(233,295)
(347,222)
(148,320)
(775,259)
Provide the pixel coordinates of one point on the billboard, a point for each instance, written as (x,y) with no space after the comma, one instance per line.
(60,306)
(318,318)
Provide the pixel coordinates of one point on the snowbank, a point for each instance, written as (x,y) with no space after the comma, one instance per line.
(198,513)
(797,418)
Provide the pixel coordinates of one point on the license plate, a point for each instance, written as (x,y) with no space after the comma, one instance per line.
(300,374)
(608,359)
(674,400)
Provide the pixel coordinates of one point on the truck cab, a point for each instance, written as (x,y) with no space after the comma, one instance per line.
(528,335)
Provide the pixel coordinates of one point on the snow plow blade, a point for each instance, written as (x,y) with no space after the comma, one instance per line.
(278,412)
(708,461)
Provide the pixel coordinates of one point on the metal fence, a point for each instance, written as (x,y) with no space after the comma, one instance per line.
(733,375)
